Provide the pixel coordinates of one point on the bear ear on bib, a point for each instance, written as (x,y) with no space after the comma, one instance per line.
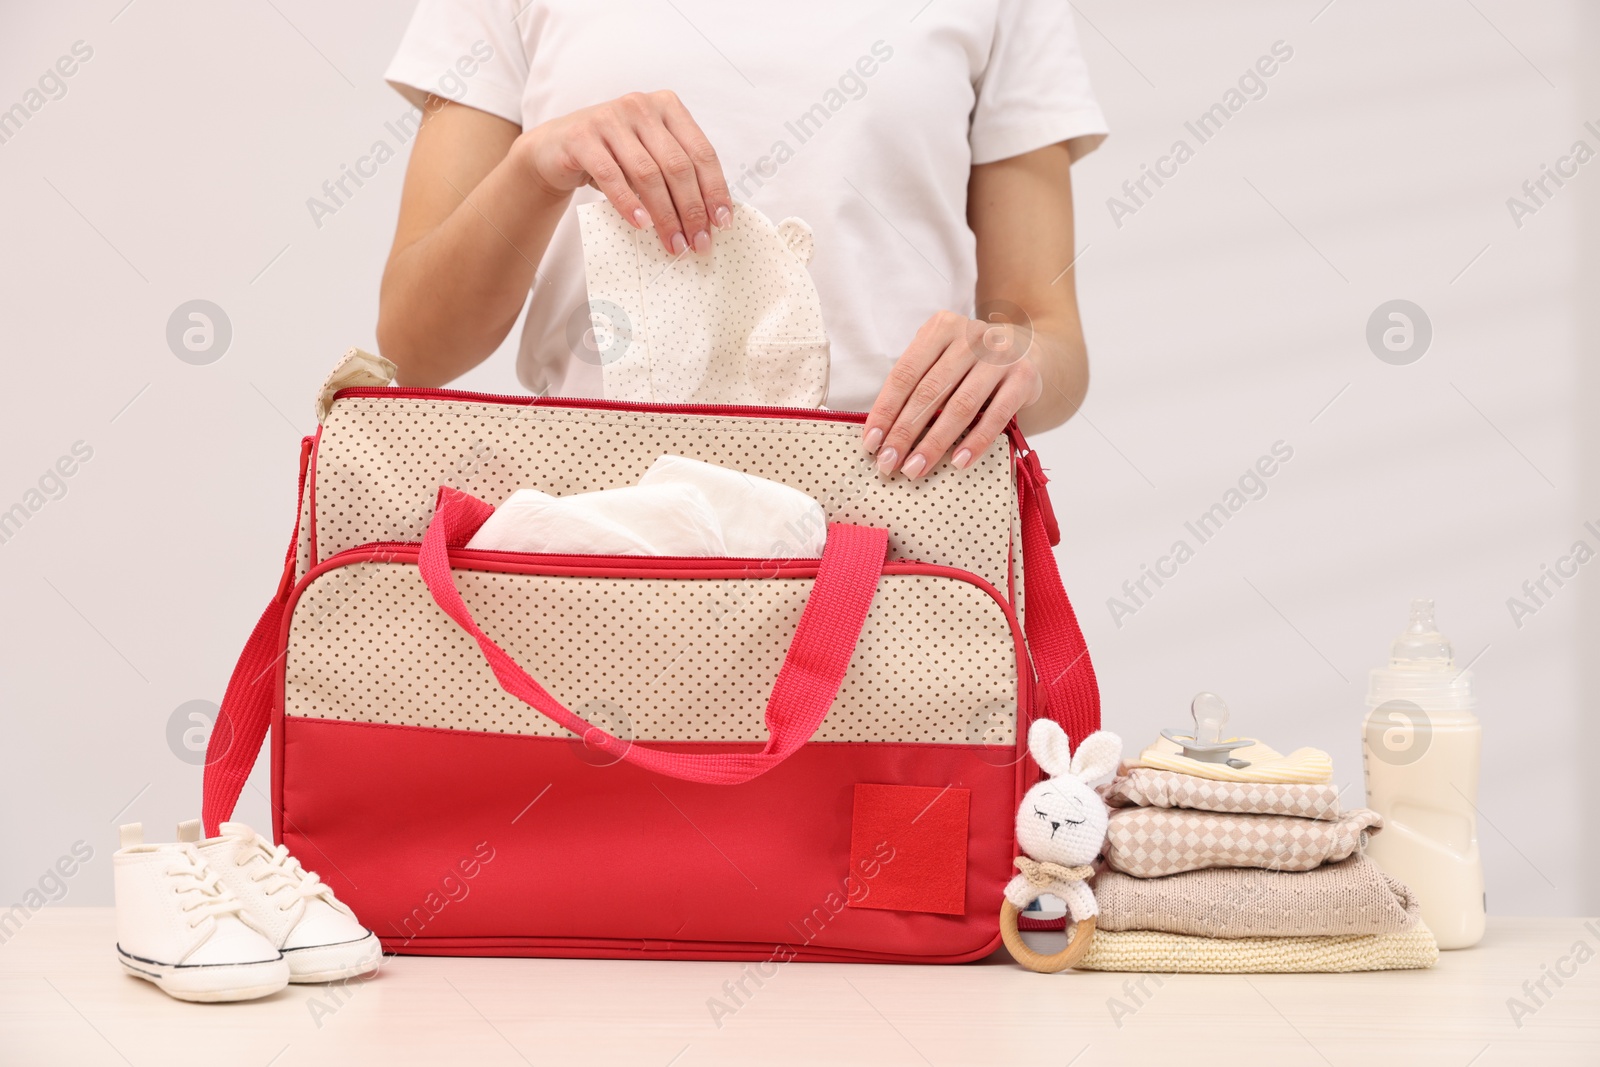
(797,238)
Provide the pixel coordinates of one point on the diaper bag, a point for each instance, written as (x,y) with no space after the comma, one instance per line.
(496,753)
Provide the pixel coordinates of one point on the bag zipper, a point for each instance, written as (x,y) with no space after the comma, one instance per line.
(1025,460)
(587,559)
(752,410)
(759,410)
(802,566)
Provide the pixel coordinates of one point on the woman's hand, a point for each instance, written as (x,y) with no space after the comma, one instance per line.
(1031,366)
(483,197)
(980,374)
(647,155)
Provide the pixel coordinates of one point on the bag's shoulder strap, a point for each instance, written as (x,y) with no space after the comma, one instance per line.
(246,710)
(1055,640)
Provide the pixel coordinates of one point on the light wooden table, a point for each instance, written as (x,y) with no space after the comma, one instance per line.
(64,1000)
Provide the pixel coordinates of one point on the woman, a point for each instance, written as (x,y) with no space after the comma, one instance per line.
(926,142)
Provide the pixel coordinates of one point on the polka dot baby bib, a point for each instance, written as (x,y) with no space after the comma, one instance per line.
(742,325)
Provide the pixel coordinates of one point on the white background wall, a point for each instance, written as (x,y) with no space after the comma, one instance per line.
(1227,314)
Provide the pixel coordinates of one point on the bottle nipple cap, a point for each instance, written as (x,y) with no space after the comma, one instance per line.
(1421,670)
(1421,644)
(1205,742)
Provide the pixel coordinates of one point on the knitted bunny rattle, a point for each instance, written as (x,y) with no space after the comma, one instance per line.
(1061,827)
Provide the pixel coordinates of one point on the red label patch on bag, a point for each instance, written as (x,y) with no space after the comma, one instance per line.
(908,848)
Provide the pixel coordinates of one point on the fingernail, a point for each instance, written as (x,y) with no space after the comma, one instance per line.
(724,218)
(962,458)
(873,440)
(886,460)
(702,242)
(641,218)
(914,466)
(678,244)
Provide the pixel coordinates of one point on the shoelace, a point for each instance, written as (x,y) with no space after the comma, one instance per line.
(199,889)
(281,871)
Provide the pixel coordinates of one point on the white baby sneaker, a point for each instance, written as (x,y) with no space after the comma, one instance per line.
(179,926)
(319,936)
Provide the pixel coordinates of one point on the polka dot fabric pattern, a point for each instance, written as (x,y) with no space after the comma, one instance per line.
(740,326)
(677,659)
(380,461)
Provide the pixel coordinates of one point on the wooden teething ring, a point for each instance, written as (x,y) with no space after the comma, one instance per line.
(1078,937)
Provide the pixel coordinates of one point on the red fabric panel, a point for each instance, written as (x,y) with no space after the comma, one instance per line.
(590,860)
(924,829)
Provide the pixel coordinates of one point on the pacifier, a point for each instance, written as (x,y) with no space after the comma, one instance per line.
(1205,742)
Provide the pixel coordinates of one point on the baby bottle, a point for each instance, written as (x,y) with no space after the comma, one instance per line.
(1420,751)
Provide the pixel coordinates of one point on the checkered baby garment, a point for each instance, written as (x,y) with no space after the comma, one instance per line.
(740,325)
(1150,842)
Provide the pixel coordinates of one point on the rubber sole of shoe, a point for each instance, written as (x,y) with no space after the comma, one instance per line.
(211,983)
(331,963)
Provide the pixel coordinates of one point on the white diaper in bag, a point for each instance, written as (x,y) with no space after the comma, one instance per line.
(760,518)
(681,507)
(662,520)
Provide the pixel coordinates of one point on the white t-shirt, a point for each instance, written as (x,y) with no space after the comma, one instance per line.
(863,118)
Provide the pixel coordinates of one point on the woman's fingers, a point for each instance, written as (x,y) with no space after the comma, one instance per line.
(935,389)
(1016,383)
(904,378)
(645,175)
(598,160)
(960,412)
(676,170)
(959,384)
(651,160)
(1019,388)
(918,386)
(708,168)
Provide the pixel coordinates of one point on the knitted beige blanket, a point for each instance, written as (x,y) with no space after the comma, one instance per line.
(1351,896)
(1150,950)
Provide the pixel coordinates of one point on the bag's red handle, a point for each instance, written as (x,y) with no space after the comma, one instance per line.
(812,672)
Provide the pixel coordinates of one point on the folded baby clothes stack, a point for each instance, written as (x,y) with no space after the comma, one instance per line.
(1216,872)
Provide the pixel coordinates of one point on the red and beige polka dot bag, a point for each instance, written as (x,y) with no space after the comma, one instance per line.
(794,759)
